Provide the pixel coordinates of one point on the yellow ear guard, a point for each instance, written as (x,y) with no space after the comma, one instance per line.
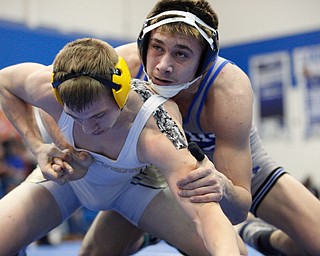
(120,83)
(55,90)
(121,77)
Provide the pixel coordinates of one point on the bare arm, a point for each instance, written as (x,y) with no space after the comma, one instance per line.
(212,225)
(232,115)
(79,161)
(227,114)
(17,111)
(22,86)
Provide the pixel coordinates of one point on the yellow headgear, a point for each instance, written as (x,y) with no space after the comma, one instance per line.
(120,83)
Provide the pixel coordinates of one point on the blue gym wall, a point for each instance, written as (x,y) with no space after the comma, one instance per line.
(20,44)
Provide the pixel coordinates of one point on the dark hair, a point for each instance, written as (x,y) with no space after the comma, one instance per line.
(204,14)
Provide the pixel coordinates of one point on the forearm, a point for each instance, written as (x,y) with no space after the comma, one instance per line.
(206,184)
(223,240)
(211,223)
(21,116)
(214,227)
(54,131)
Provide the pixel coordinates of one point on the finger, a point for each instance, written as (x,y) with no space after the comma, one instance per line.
(205,198)
(209,182)
(50,173)
(86,158)
(67,153)
(83,155)
(194,176)
(57,168)
(200,191)
(60,165)
(182,183)
(68,168)
(62,177)
(57,161)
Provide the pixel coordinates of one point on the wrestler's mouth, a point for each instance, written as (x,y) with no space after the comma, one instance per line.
(160,81)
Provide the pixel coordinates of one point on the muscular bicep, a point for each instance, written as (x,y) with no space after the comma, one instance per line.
(173,163)
(165,146)
(30,82)
(232,114)
(232,155)
(39,89)
(234,162)
(16,78)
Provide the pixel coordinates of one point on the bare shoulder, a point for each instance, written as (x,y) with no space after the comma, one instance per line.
(231,85)
(41,76)
(131,55)
(19,73)
(39,88)
(30,82)
(173,110)
(232,79)
(229,103)
(20,77)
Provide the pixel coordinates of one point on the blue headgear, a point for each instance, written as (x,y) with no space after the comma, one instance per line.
(210,53)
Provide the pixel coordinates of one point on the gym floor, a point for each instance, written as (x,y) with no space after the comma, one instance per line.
(71,248)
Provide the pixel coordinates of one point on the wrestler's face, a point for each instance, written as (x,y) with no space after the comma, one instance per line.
(97,118)
(172,60)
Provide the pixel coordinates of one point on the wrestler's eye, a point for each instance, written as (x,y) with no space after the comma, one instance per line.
(100,115)
(182,55)
(156,47)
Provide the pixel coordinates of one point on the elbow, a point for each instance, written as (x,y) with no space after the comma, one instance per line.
(237,213)
(242,212)
(239,217)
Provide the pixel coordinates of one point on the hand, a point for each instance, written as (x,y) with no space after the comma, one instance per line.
(51,161)
(62,166)
(202,185)
(80,162)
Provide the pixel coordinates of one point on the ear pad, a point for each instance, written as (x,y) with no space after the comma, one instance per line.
(55,91)
(121,77)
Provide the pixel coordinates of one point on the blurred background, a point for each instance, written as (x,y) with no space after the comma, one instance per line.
(276,42)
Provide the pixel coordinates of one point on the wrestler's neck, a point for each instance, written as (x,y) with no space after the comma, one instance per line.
(184,98)
(187,94)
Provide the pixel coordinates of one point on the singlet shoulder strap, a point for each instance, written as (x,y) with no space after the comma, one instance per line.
(192,120)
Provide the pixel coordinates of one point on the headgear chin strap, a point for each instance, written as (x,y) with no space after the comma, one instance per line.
(120,83)
(210,53)
(169,91)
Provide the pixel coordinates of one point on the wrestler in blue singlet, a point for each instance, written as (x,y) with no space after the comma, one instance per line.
(265,172)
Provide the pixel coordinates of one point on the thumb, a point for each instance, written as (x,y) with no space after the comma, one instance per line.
(196,151)
(85,157)
(56,152)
